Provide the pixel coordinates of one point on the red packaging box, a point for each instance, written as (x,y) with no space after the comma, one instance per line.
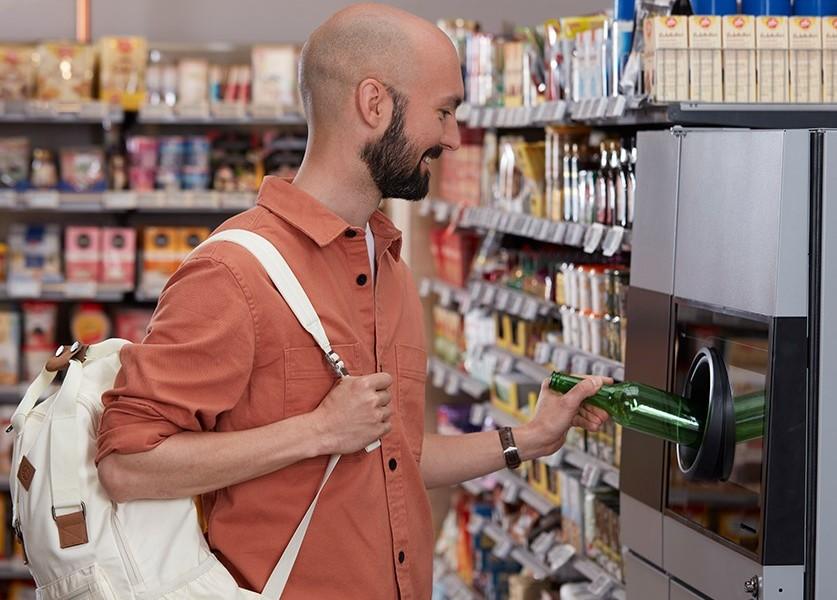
(453,252)
(82,251)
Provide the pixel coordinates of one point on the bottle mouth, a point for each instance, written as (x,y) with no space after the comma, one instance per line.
(708,392)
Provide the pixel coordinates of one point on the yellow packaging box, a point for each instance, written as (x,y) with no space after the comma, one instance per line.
(829,59)
(739,43)
(705,64)
(122,64)
(772,72)
(667,57)
(805,42)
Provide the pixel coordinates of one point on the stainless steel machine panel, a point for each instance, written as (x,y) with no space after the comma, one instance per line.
(652,259)
(641,528)
(742,221)
(644,581)
(678,592)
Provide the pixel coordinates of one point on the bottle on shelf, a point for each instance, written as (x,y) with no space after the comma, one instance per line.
(601,185)
(663,415)
(620,215)
(630,170)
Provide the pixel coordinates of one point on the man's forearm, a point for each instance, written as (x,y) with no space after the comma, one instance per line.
(190,463)
(451,459)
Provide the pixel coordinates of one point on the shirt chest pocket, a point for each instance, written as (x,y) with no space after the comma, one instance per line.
(411,364)
(309,377)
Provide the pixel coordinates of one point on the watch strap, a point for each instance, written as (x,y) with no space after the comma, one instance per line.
(510,452)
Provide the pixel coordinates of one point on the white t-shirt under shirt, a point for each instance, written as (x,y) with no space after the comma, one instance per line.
(370,248)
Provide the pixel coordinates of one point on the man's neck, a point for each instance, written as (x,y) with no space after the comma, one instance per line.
(338,186)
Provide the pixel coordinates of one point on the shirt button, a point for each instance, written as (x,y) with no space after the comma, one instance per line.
(393,464)
(401,558)
(350,233)
(361,279)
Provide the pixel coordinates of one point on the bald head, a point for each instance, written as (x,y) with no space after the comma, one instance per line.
(363,41)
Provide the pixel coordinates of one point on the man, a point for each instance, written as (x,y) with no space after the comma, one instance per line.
(228,397)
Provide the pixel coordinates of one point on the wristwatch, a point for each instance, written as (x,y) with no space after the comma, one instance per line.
(510,452)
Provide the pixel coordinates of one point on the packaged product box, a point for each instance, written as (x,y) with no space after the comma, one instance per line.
(90,324)
(510,392)
(805,42)
(667,57)
(14,163)
(9,347)
(64,72)
(35,253)
(552,483)
(82,253)
(829,59)
(83,170)
(132,324)
(118,264)
(161,257)
(513,73)
(17,72)
(705,64)
(122,65)
(772,72)
(39,340)
(274,76)
(190,238)
(192,82)
(739,42)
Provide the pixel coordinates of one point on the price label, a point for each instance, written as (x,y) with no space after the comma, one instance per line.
(600,368)
(501,300)
(593,237)
(505,222)
(591,475)
(543,544)
(561,359)
(8,199)
(613,241)
(511,492)
(600,586)
(465,305)
(559,231)
(80,289)
(24,288)
(43,200)
(560,111)
(560,556)
(516,304)
(502,549)
(475,525)
(556,459)
(600,108)
(579,364)
(488,295)
(530,310)
(475,290)
(618,106)
(204,199)
(120,200)
(494,218)
(576,237)
(445,296)
(425,287)
(542,230)
(618,374)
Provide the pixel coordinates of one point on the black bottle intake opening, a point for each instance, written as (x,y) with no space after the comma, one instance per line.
(708,389)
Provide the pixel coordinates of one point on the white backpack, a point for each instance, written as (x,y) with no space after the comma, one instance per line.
(80,544)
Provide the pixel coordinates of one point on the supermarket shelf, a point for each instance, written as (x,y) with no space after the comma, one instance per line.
(765,116)
(448,294)
(34,112)
(563,357)
(200,202)
(527,493)
(594,471)
(602,582)
(61,292)
(13,569)
(454,381)
(510,361)
(509,300)
(218,115)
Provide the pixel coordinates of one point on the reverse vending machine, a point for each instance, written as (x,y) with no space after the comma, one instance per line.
(731,305)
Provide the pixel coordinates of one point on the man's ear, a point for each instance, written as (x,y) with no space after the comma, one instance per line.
(374,103)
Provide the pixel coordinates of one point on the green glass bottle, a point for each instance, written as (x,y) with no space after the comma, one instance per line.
(667,416)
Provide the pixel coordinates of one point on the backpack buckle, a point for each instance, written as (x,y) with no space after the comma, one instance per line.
(336,364)
(62,357)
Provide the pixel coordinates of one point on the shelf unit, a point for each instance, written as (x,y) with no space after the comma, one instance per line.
(455,588)
(453,381)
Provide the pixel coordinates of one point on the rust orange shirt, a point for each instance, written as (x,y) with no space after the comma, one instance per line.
(225,353)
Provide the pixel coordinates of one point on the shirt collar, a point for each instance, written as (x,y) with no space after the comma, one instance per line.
(315,220)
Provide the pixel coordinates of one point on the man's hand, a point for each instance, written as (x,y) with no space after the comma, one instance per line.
(354,414)
(556,413)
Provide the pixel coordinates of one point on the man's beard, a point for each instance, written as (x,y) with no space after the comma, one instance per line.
(390,159)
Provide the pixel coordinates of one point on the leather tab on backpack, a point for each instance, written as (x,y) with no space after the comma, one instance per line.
(72,529)
(25,473)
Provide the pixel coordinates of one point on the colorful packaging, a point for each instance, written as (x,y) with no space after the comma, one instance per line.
(122,63)
(274,76)
(9,347)
(193,82)
(513,73)
(706,78)
(14,163)
(35,253)
(805,41)
(39,341)
(190,238)
(772,69)
(17,72)
(83,170)
(82,253)
(161,256)
(739,41)
(667,57)
(118,261)
(829,59)
(90,324)
(64,72)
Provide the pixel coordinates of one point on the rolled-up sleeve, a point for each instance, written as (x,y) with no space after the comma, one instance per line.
(194,364)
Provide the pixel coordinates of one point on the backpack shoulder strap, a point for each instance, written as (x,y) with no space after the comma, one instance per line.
(289,287)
